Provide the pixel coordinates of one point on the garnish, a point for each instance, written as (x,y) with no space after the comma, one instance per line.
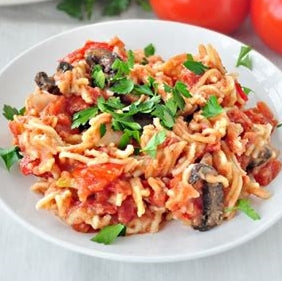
(127,136)
(244,206)
(244,58)
(177,92)
(153,143)
(165,115)
(247,90)
(122,69)
(279,125)
(130,59)
(10,156)
(182,89)
(109,105)
(123,86)
(149,50)
(83,116)
(212,108)
(143,90)
(109,234)
(195,66)
(102,130)
(98,76)
(9,112)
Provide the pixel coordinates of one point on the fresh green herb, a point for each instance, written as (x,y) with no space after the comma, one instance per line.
(10,156)
(115,7)
(167,88)
(145,106)
(149,50)
(178,99)
(153,84)
(109,234)
(279,125)
(130,59)
(212,108)
(247,90)
(122,69)
(144,61)
(195,66)
(74,8)
(121,122)
(244,206)
(83,116)
(244,58)
(143,90)
(145,5)
(127,136)
(123,86)
(165,115)
(9,112)
(98,76)
(171,106)
(109,105)
(102,130)
(182,89)
(153,143)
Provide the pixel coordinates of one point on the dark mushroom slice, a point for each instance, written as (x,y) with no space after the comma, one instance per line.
(212,198)
(263,156)
(64,66)
(46,83)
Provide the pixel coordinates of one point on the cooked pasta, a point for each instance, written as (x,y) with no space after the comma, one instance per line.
(117,136)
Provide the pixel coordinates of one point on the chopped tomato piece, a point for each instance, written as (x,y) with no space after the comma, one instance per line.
(127,211)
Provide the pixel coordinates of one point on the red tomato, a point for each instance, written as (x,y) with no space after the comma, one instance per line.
(267,20)
(221,15)
(240,91)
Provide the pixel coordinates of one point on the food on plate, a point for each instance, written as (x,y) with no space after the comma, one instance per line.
(124,140)
(266,17)
(221,15)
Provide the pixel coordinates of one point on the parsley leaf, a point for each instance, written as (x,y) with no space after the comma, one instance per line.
(247,90)
(130,59)
(145,5)
(244,58)
(167,88)
(212,108)
(279,125)
(244,206)
(127,135)
(171,106)
(76,8)
(165,115)
(109,234)
(83,116)
(195,66)
(121,122)
(122,69)
(102,130)
(115,7)
(98,76)
(182,89)
(109,105)
(89,7)
(10,156)
(123,86)
(9,112)
(143,90)
(149,50)
(154,142)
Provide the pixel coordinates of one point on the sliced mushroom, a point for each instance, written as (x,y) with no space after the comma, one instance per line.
(263,156)
(212,197)
(46,83)
(64,66)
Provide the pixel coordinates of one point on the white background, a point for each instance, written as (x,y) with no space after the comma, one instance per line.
(24,256)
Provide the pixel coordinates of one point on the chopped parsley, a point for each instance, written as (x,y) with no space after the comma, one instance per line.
(9,112)
(83,116)
(102,130)
(130,59)
(149,50)
(247,90)
(143,90)
(244,58)
(279,125)
(127,136)
(98,76)
(179,90)
(109,234)
(122,86)
(153,143)
(212,108)
(122,69)
(195,66)
(244,206)
(10,156)
(165,115)
(116,7)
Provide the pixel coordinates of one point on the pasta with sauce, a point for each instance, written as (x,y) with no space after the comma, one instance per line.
(117,136)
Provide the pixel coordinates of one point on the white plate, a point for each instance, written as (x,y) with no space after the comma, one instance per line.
(18,2)
(174,242)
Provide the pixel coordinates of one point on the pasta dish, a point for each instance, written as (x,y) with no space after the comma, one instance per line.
(119,136)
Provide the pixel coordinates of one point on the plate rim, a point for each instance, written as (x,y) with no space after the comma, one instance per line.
(139,258)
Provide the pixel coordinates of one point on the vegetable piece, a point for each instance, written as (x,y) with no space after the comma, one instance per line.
(10,156)
(98,76)
(9,112)
(143,90)
(109,234)
(212,108)
(195,66)
(109,105)
(226,15)
(267,22)
(145,5)
(240,91)
(182,89)
(46,83)
(153,143)
(244,206)
(279,125)
(130,59)
(115,7)
(165,115)
(127,136)
(123,86)
(74,8)
(102,130)
(122,69)
(83,116)
(244,58)
(149,50)
(247,90)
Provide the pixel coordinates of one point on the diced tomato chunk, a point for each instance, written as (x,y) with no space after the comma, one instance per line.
(127,211)
(266,173)
(27,165)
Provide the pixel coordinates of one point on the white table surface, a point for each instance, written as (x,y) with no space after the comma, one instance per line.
(24,256)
